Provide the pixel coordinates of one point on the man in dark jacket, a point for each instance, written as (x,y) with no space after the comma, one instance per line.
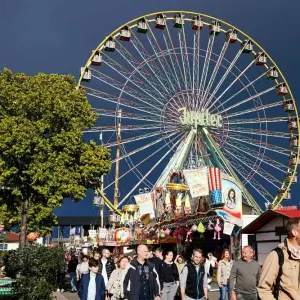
(106,265)
(157,260)
(141,280)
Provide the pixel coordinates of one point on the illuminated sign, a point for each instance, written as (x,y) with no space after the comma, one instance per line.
(199,118)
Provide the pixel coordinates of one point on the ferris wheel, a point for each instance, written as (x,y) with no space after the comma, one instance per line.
(190,89)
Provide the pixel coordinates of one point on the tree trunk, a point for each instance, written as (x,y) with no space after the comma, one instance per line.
(23,234)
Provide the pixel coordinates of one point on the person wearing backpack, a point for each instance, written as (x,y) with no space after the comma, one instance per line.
(280,278)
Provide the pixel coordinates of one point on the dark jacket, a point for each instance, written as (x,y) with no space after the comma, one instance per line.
(84,286)
(72,265)
(158,267)
(194,282)
(110,266)
(132,283)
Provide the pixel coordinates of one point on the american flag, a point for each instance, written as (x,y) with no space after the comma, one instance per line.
(214,179)
(214,184)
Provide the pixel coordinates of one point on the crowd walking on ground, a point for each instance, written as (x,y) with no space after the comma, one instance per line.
(159,275)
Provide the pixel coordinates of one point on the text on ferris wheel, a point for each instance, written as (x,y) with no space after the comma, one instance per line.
(199,118)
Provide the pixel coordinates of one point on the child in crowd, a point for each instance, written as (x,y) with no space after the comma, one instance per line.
(92,285)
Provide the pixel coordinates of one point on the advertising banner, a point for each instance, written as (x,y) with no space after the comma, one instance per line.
(102,233)
(92,233)
(197,181)
(232,196)
(228,228)
(144,201)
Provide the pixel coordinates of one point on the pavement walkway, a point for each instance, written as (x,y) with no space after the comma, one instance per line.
(68,295)
(74,296)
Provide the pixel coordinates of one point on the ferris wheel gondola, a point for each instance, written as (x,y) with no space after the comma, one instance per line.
(154,67)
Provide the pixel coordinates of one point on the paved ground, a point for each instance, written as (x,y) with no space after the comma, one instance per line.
(67,295)
(73,296)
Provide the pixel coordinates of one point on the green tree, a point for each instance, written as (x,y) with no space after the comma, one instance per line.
(35,270)
(43,156)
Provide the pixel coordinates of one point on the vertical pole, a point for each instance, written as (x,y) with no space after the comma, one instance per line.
(116,191)
(102,190)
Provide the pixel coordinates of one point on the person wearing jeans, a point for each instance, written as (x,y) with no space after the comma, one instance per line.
(170,277)
(72,271)
(224,269)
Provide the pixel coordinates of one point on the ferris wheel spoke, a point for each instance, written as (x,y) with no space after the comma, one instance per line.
(231,66)
(136,138)
(259,144)
(258,155)
(147,77)
(255,109)
(119,101)
(254,169)
(238,92)
(167,144)
(142,148)
(253,131)
(150,62)
(248,99)
(127,90)
(124,128)
(128,115)
(196,67)
(253,183)
(134,80)
(148,173)
(132,60)
(165,67)
(258,120)
(184,58)
(216,69)
(136,171)
(205,68)
(175,65)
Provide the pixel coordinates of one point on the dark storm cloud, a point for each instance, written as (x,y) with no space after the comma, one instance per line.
(58,36)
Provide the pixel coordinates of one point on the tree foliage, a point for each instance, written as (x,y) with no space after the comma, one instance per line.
(35,269)
(43,157)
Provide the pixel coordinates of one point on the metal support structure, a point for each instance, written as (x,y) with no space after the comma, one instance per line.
(116,191)
(178,159)
(102,190)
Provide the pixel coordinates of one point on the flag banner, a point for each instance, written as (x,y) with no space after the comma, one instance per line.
(215,187)
(216,197)
(214,179)
(72,231)
(197,182)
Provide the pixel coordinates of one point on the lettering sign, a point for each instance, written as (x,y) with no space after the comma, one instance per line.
(199,118)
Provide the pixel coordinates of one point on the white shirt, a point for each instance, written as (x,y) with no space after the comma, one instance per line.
(104,274)
(92,287)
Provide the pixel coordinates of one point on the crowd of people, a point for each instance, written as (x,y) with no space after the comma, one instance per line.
(149,275)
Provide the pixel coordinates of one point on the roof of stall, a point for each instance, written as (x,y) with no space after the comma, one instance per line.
(268,216)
